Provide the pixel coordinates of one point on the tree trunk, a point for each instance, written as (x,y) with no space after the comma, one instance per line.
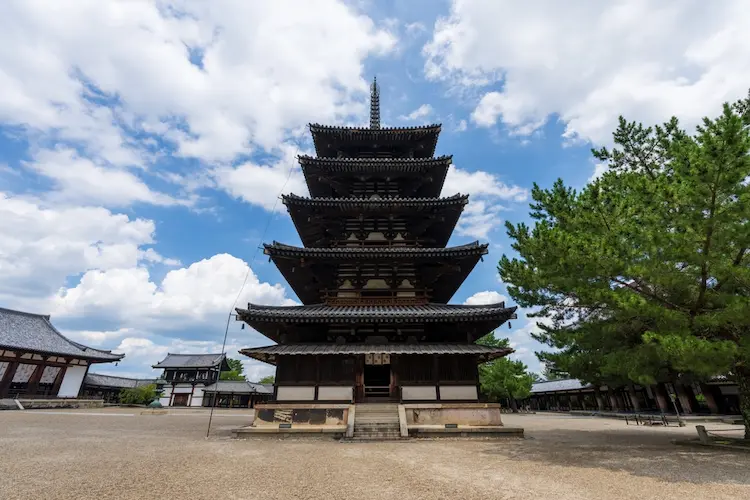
(743,383)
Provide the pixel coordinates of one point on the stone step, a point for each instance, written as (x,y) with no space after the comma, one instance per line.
(377,433)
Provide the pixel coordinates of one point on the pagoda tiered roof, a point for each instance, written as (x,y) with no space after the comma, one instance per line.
(268,354)
(319,221)
(423,176)
(310,270)
(272,321)
(330,141)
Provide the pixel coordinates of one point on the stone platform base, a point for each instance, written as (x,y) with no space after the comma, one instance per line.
(329,431)
(464,431)
(304,419)
(39,404)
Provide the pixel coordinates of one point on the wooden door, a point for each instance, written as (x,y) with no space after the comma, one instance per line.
(180,400)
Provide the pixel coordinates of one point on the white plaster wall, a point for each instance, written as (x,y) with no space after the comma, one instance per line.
(196,401)
(166,394)
(466,392)
(183,389)
(71,382)
(295,393)
(419,392)
(334,393)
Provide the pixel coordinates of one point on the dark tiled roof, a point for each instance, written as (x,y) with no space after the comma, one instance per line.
(268,354)
(100,380)
(321,313)
(317,127)
(339,253)
(34,332)
(422,140)
(191,361)
(374,165)
(375,203)
(570,384)
(238,387)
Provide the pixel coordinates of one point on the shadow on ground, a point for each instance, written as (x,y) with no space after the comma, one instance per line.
(637,451)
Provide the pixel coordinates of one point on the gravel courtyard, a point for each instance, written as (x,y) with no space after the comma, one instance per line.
(118,453)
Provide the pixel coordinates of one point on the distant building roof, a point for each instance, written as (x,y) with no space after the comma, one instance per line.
(100,380)
(238,387)
(33,332)
(570,384)
(193,361)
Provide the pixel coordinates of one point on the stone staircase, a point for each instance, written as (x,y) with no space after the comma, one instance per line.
(376,422)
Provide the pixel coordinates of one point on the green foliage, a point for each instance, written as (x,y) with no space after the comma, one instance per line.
(645,273)
(142,395)
(503,378)
(234,372)
(270,379)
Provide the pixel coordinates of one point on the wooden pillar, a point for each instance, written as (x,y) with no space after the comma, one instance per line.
(633,398)
(436,374)
(58,380)
(613,399)
(33,384)
(317,377)
(684,397)
(662,399)
(599,398)
(708,393)
(10,372)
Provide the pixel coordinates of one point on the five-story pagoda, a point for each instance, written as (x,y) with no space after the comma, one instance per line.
(375,276)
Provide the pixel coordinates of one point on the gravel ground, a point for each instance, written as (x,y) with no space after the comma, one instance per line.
(117,453)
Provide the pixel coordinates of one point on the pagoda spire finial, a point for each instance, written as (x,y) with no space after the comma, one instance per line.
(374,104)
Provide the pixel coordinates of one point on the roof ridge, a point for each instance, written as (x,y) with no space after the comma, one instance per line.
(378,160)
(25,313)
(398,249)
(381,129)
(350,199)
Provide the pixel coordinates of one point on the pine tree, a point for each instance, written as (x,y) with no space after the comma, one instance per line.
(645,273)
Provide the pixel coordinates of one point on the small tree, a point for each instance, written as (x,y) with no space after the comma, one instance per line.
(270,379)
(234,372)
(503,378)
(142,395)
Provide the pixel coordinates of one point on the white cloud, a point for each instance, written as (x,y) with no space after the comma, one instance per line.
(41,246)
(92,72)
(481,215)
(484,298)
(262,183)
(199,293)
(461,127)
(589,62)
(80,180)
(97,338)
(151,255)
(420,113)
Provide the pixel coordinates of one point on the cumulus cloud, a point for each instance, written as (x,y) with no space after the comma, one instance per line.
(211,78)
(80,180)
(589,62)
(484,298)
(261,183)
(41,246)
(487,191)
(198,293)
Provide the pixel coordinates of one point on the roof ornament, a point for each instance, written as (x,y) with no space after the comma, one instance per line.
(374,105)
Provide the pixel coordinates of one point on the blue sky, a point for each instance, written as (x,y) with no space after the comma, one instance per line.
(143,145)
